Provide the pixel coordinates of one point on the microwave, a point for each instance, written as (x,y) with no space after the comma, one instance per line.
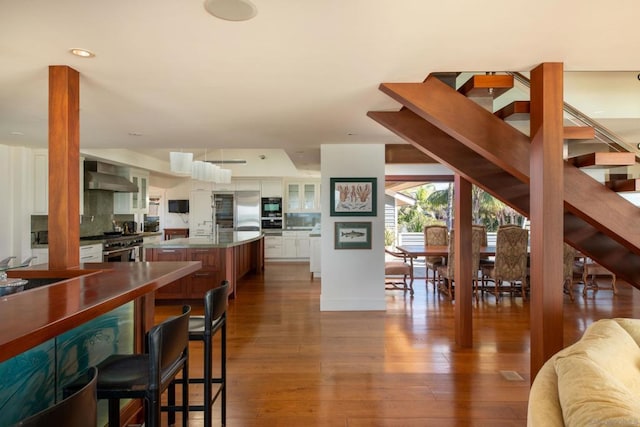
(271,207)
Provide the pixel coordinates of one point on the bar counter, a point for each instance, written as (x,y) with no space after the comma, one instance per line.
(33,316)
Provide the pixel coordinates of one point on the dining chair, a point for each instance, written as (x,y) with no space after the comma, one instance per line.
(590,273)
(397,267)
(435,235)
(510,262)
(446,273)
(568,268)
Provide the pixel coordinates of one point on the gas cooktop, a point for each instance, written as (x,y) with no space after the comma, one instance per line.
(109,236)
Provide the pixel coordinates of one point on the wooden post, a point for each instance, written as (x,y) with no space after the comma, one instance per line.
(547,225)
(64,157)
(462,241)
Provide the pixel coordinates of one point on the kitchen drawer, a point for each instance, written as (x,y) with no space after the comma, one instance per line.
(273,247)
(91,253)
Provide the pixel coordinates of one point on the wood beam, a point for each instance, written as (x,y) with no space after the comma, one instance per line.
(64,158)
(547,213)
(462,258)
(405,154)
(418,178)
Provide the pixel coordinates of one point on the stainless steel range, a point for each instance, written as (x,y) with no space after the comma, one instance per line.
(119,247)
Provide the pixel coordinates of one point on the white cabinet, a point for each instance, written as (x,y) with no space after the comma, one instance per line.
(41,254)
(87,253)
(314,256)
(303,197)
(295,244)
(41,183)
(200,214)
(133,203)
(225,187)
(273,247)
(271,188)
(247,185)
(91,253)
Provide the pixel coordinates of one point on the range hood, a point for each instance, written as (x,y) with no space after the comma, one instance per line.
(102,176)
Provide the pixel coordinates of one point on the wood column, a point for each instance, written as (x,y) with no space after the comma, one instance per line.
(547,226)
(64,157)
(462,241)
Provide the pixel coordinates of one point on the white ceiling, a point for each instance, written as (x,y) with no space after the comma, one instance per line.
(167,75)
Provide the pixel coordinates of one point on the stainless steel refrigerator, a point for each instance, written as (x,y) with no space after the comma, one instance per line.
(238,211)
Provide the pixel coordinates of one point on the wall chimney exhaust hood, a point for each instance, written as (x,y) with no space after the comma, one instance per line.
(102,176)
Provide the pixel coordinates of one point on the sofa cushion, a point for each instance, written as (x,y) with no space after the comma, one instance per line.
(591,396)
(599,377)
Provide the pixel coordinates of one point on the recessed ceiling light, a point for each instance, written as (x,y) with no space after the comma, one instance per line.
(83,53)
(17,133)
(231,10)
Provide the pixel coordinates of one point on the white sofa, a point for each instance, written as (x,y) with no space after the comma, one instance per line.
(593,382)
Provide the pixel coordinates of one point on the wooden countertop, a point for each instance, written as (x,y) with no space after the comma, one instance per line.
(34,316)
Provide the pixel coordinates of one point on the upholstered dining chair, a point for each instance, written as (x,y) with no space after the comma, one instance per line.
(446,273)
(568,263)
(590,273)
(510,262)
(435,235)
(395,268)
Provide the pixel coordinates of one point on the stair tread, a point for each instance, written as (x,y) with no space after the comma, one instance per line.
(607,159)
(579,132)
(624,185)
(516,110)
(480,85)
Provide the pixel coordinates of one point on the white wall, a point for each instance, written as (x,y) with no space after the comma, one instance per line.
(352,279)
(16,193)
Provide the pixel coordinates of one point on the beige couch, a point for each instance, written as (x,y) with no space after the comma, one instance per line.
(594,382)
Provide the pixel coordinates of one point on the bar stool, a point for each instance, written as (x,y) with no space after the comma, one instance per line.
(147,376)
(204,328)
(78,410)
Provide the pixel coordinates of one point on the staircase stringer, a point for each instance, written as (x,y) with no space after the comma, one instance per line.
(496,159)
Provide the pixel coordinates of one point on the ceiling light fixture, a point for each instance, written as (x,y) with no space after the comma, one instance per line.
(183,164)
(83,53)
(231,10)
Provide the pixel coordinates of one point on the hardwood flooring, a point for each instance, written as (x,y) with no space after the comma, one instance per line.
(291,365)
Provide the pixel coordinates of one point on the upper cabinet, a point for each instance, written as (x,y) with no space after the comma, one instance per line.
(271,188)
(133,203)
(41,183)
(302,196)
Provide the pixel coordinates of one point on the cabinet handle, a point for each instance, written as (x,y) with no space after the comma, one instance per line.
(164,251)
(87,257)
(201,274)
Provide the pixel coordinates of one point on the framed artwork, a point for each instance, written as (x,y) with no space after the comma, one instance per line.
(353,235)
(353,196)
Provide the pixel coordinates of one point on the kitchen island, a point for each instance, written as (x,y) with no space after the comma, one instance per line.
(228,257)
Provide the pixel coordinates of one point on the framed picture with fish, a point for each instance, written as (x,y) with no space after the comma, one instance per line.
(353,235)
(353,196)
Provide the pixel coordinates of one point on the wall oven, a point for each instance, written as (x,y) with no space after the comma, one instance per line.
(271,207)
(131,254)
(271,223)
(122,249)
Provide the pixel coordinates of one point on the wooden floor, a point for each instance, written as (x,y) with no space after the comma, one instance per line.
(291,365)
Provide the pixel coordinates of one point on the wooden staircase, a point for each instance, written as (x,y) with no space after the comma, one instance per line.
(480,146)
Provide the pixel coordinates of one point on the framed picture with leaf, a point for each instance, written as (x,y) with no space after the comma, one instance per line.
(353,196)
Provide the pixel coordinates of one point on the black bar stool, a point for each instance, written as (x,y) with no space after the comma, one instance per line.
(147,376)
(78,410)
(204,328)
